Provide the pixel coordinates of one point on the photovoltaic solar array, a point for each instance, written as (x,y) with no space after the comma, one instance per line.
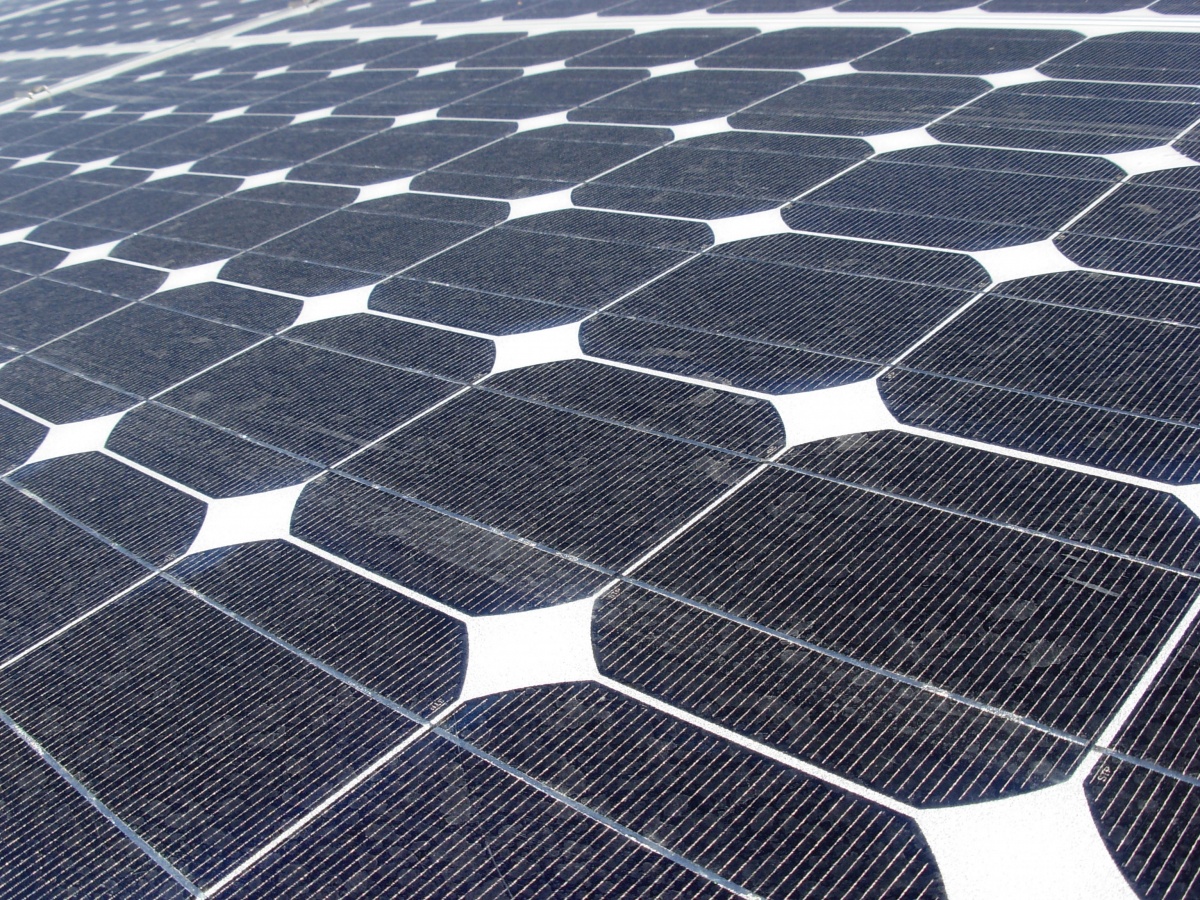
(600,448)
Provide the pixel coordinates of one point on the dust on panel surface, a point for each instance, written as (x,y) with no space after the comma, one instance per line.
(599,448)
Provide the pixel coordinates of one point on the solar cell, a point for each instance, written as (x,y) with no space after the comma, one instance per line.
(470,843)
(454,562)
(654,773)
(136,511)
(905,742)
(860,104)
(185,704)
(54,841)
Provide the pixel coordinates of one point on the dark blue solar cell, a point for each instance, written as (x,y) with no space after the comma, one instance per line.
(1104,438)
(448,49)
(428,92)
(214,462)
(128,508)
(140,207)
(655,7)
(1109,361)
(1142,229)
(488,833)
(898,738)
(59,197)
(541,161)
(1163,729)
(289,146)
(685,97)
(334,91)
(232,305)
(877,6)
(556,9)
(30,259)
(40,310)
(354,247)
(700,796)
(144,349)
(411,654)
(1102,292)
(57,395)
(58,133)
(19,437)
(447,353)
(785,312)
(544,48)
(1061,6)
(693,412)
(516,465)
(721,175)
(54,571)
(1176,7)
(72,236)
(168,253)
(243,91)
(1045,630)
(1073,116)
(111,277)
(543,94)
(159,703)
(399,152)
(741,7)
(1071,506)
(761,299)
(1149,821)
(860,104)
(365,247)
(1146,56)
(458,11)
(718,358)
(358,53)
(315,403)
(56,843)
(968,51)
(955,197)
(468,308)
(293,56)
(584,259)
(467,567)
(658,48)
(219,229)
(10,278)
(798,48)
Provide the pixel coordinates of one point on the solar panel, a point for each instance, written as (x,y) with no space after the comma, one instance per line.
(588,448)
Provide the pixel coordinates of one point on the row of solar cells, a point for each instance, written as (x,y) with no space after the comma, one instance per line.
(18,77)
(88,23)
(335,252)
(1139,57)
(366,150)
(1050,115)
(705,321)
(381,14)
(1143,57)
(320,247)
